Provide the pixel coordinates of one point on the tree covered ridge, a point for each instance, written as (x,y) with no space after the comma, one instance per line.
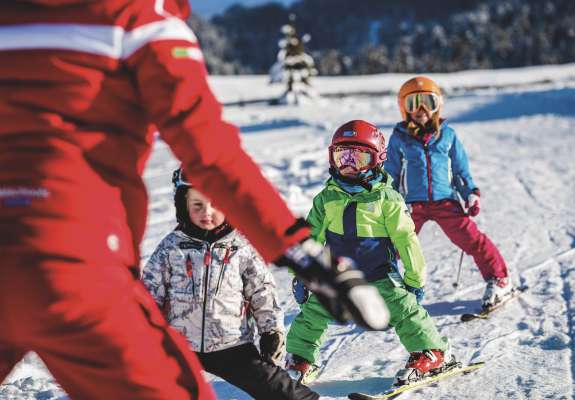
(372,36)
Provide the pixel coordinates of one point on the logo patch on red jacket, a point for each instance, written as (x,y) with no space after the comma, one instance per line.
(21,196)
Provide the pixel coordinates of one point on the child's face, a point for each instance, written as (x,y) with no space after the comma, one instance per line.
(421,116)
(348,171)
(201,211)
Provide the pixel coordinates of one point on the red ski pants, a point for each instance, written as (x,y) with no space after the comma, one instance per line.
(463,232)
(96,328)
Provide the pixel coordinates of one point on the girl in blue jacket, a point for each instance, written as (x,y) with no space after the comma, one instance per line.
(429,167)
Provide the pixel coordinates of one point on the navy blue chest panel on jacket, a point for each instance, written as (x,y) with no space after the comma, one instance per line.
(375,256)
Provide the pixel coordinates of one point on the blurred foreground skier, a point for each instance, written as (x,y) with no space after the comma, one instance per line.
(82,82)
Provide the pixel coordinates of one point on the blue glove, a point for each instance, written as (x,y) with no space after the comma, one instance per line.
(419,293)
(300,292)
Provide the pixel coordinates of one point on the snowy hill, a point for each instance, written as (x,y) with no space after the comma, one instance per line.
(518,127)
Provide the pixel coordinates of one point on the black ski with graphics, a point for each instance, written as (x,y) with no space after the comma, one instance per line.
(486,312)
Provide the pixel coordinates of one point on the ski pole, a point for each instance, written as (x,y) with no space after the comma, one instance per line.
(456,283)
(465,212)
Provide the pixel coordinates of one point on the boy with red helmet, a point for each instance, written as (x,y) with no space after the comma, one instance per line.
(429,166)
(359,215)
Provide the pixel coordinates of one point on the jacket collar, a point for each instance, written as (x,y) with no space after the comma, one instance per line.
(193,231)
(401,127)
(385,181)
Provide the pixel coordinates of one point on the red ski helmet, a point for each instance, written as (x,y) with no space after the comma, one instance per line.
(363,135)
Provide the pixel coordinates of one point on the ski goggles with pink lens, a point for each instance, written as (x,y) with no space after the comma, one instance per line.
(430,101)
(357,157)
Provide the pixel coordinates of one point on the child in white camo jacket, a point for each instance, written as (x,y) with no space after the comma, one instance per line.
(215,289)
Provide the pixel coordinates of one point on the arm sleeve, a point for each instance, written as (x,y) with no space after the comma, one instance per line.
(316,219)
(260,291)
(172,80)
(460,165)
(401,230)
(393,163)
(155,275)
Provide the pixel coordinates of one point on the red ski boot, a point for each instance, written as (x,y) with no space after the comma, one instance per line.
(422,364)
(301,370)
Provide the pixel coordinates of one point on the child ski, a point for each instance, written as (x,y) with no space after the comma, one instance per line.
(396,390)
(485,312)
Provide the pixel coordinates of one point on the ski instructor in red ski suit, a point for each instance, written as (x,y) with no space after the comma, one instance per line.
(83,86)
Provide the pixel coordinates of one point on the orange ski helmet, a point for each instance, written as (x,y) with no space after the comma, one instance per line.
(419,84)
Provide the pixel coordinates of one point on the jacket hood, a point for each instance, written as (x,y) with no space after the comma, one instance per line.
(227,235)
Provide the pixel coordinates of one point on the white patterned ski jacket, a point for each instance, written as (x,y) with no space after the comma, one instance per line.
(214,294)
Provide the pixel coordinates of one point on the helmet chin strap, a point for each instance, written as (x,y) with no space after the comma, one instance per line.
(357,180)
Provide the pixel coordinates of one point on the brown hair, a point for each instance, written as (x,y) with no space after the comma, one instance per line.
(414,129)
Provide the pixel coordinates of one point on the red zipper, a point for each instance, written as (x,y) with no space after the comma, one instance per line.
(227,256)
(429,182)
(189,266)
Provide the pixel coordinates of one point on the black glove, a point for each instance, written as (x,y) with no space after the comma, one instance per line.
(272,347)
(338,284)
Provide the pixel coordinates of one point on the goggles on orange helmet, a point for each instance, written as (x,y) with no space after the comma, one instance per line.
(414,101)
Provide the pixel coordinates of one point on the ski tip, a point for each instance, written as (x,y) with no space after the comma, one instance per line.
(471,317)
(477,364)
(357,396)
(468,317)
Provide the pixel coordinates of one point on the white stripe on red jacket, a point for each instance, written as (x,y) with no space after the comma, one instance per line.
(83,86)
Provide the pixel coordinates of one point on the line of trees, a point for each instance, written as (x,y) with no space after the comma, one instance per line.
(372,36)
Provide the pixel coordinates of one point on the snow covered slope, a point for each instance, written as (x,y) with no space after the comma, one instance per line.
(521,144)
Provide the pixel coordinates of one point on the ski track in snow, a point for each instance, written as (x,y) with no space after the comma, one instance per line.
(568,276)
(520,143)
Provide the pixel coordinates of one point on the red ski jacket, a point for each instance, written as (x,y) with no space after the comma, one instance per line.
(83,87)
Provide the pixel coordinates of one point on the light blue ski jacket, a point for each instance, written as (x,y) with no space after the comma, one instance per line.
(434,171)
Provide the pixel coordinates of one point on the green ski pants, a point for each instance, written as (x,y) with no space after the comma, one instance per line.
(411,321)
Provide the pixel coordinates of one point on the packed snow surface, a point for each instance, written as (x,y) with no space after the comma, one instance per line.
(518,127)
